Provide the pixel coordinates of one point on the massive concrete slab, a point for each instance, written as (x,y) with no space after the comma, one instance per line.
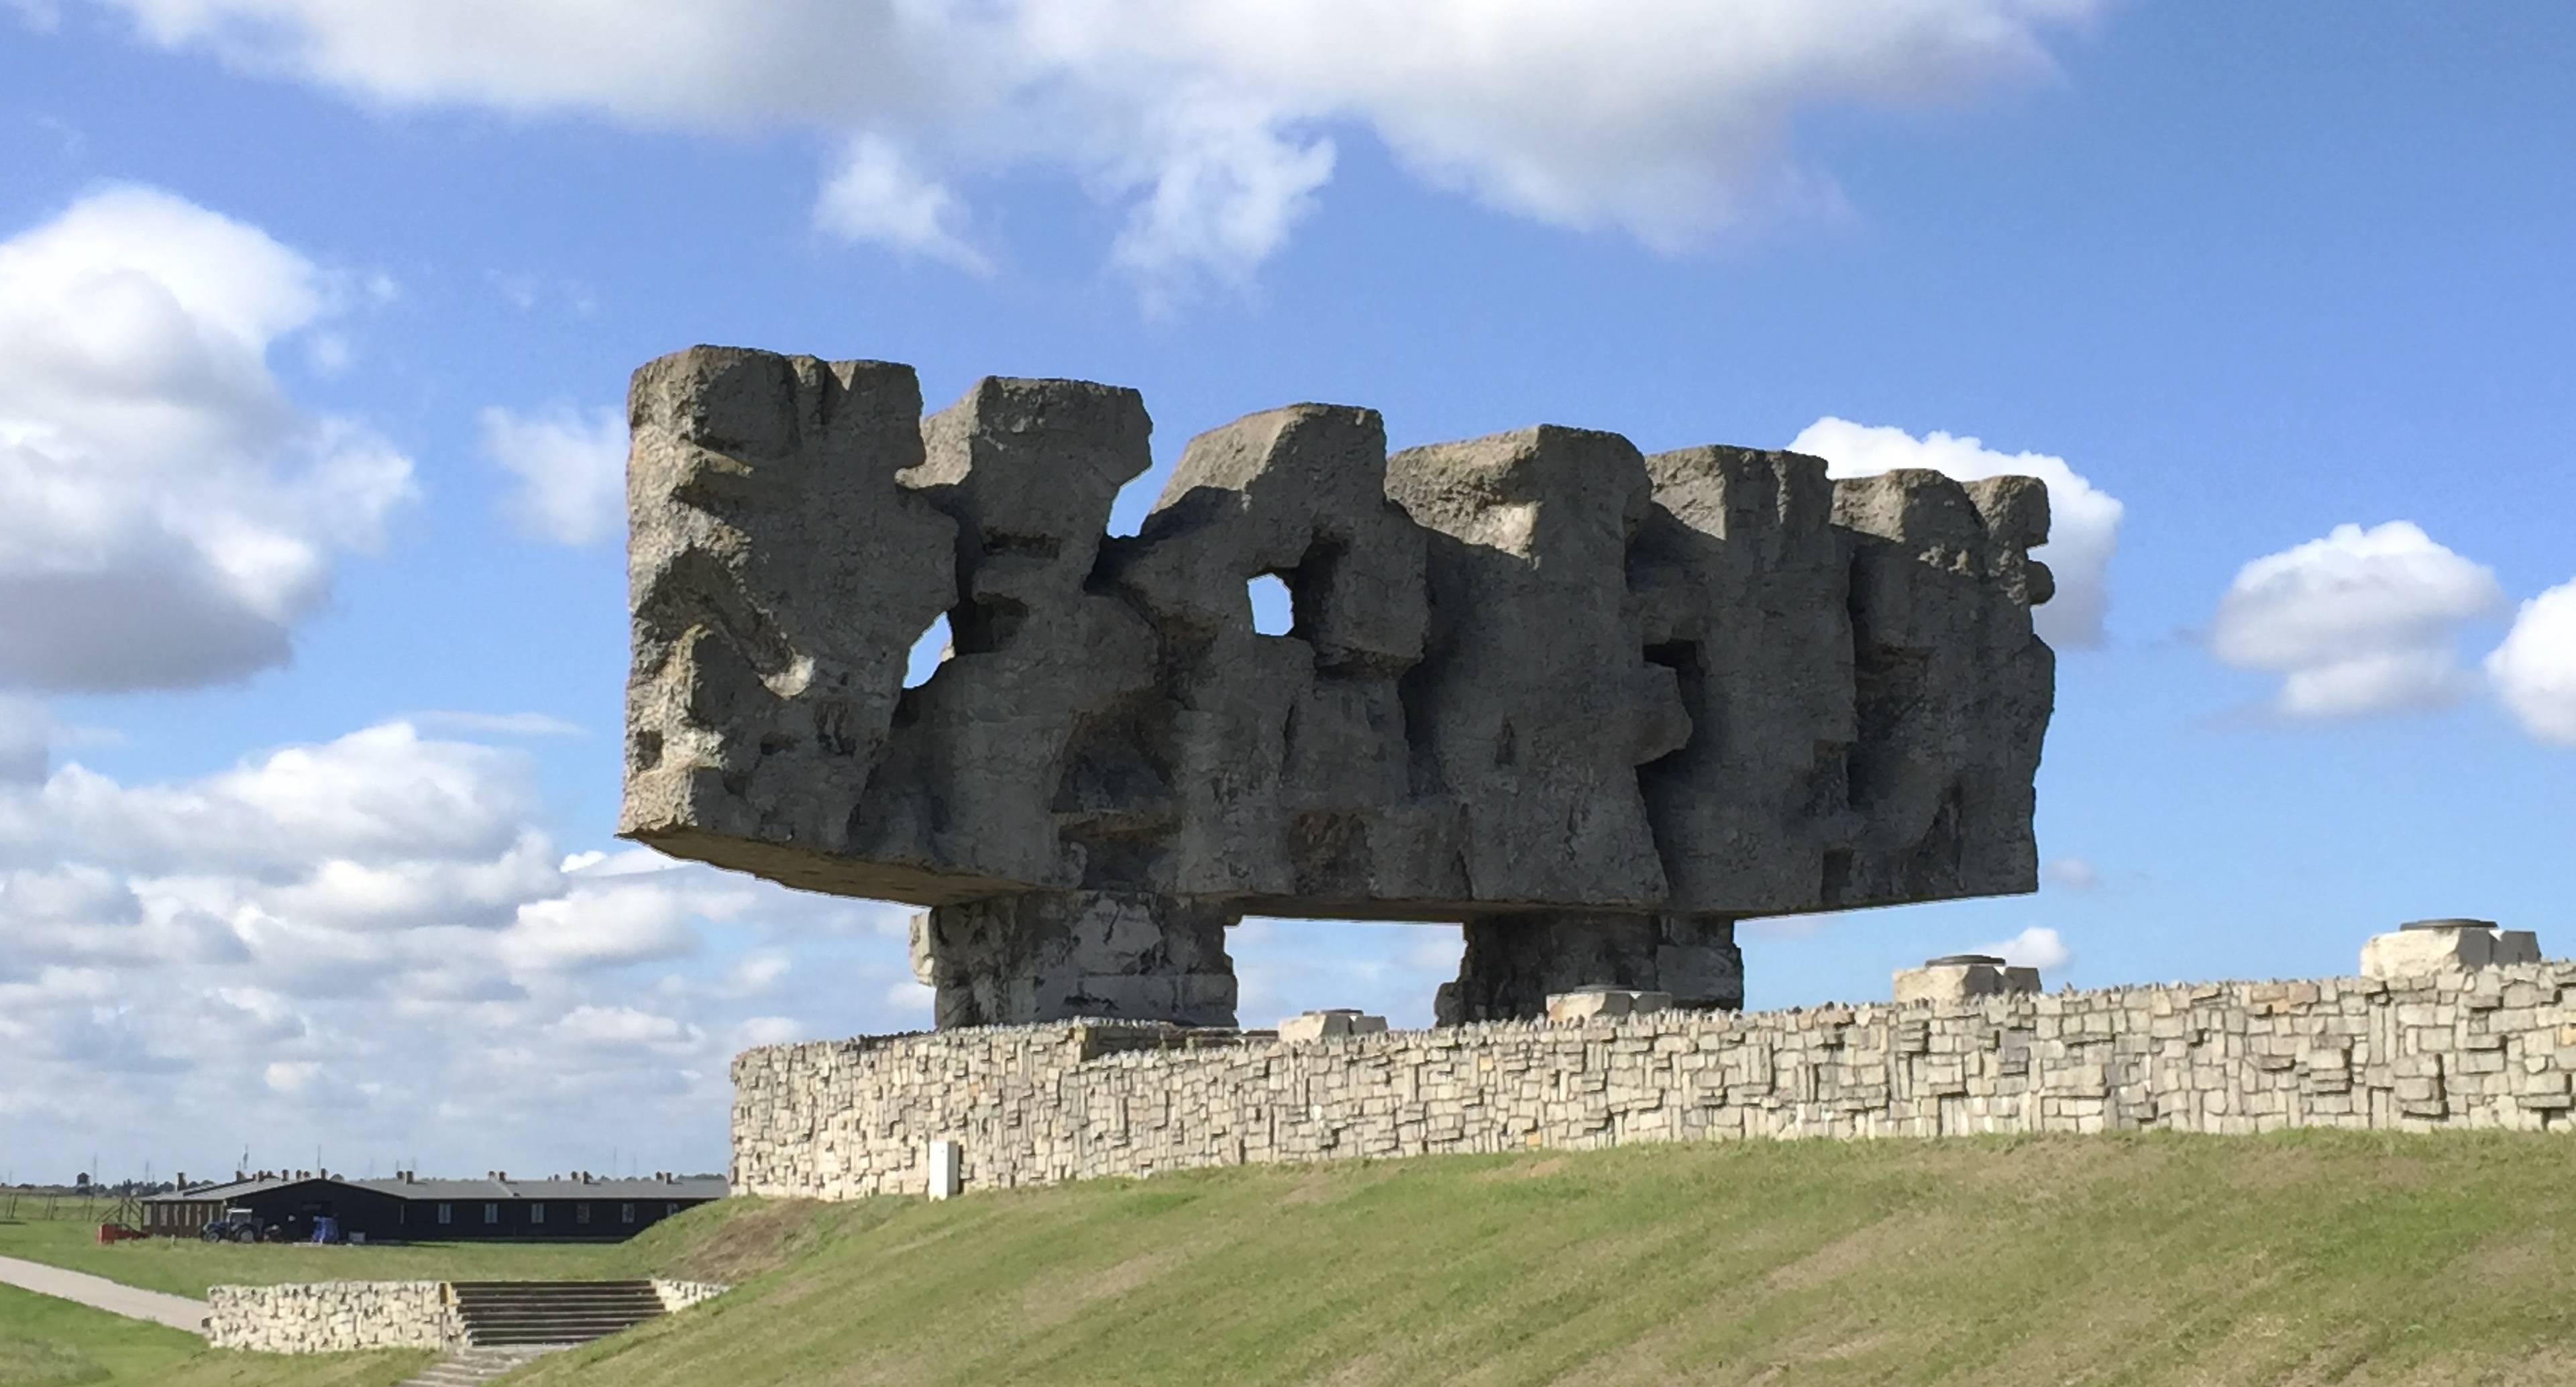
(1534,680)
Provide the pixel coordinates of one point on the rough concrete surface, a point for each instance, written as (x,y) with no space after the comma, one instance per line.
(1536,683)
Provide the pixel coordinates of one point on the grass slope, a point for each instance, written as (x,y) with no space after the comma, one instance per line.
(46,1342)
(184,1266)
(2306,1258)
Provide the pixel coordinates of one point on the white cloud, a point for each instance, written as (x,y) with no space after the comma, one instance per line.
(2036,947)
(326,941)
(1283,967)
(26,739)
(2070,873)
(2084,521)
(768,1030)
(877,196)
(1206,123)
(756,972)
(167,514)
(2534,671)
(2359,622)
(500,724)
(570,469)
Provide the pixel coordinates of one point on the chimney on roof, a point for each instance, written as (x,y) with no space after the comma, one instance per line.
(179,1180)
(502,1176)
(238,1177)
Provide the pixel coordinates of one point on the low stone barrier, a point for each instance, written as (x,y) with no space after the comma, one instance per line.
(680,1295)
(1034,1105)
(347,1316)
(331,1316)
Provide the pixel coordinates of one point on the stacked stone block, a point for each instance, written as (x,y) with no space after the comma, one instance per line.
(1036,1105)
(677,1296)
(332,1316)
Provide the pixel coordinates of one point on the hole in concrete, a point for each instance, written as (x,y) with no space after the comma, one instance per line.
(927,652)
(1274,612)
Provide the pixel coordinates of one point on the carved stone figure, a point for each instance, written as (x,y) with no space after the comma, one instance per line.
(1591,705)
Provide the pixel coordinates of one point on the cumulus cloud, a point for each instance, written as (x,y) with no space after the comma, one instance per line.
(167,513)
(2084,521)
(568,468)
(2359,622)
(2534,671)
(26,739)
(499,724)
(328,940)
(2036,947)
(875,194)
(1206,123)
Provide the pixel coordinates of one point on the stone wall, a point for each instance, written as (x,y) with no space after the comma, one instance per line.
(1035,1105)
(331,1316)
(680,1295)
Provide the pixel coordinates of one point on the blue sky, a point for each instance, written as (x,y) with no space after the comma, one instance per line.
(2252,279)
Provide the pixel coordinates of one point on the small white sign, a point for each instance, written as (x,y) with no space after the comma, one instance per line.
(947,1169)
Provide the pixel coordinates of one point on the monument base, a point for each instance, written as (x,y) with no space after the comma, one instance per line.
(1514,963)
(1055,955)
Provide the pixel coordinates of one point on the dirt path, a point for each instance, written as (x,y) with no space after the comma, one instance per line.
(115,1297)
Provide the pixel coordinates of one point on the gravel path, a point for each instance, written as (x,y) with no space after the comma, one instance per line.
(115,1297)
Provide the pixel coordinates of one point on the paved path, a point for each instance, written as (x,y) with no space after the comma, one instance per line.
(116,1297)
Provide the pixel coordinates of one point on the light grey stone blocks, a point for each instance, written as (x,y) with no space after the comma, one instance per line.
(1033,1105)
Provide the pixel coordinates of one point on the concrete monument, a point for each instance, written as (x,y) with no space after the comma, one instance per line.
(1592,705)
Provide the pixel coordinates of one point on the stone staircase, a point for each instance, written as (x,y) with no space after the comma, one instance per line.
(509,1323)
(473,1366)
(519,1314)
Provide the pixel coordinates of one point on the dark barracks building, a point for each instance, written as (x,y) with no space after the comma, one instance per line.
(408,1208)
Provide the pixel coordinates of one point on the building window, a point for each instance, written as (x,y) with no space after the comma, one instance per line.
(536,1213)
(491,1213)
(581,1213)
(446,1213)
(626,1213)
(670,1209)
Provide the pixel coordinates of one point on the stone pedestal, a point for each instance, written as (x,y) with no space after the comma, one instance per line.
(1514,963)
(1054,955)
(1959,977)
(2444,946)
(1606,1004)
(1333,1023)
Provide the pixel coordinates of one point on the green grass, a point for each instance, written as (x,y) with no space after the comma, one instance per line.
(2310,1258)
(184,1266)
(46,1342)
(2165,1260)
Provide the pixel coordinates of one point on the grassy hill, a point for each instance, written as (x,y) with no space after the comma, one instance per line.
(46,1342)
(2307,1258)
(184,1266)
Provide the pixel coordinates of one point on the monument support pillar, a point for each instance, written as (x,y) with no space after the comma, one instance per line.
(1054,955)
(1515,962)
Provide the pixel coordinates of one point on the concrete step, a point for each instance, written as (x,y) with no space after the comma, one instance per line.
(473,1366)
(552,1312)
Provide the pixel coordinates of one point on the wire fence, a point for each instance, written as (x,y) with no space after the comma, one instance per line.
(31,1206)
